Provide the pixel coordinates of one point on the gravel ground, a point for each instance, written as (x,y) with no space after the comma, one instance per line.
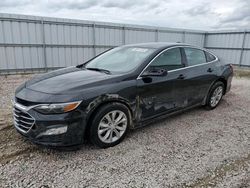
(198,148)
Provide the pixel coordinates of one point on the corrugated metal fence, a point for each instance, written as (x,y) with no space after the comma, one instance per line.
(31,43)
(231,46)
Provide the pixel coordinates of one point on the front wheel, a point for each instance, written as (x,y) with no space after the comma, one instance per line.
(215,95)
(110,124)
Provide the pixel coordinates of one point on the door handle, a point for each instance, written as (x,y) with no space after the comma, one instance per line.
(210,70)
(181,77)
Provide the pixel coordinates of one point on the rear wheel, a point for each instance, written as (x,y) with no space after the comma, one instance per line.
(109,125)
(215,95)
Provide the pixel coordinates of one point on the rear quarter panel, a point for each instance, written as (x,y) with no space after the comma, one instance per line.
(227,74)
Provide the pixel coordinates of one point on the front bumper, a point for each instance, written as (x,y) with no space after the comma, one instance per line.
(38,132)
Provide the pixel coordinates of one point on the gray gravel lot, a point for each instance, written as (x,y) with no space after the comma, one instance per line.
(198,148)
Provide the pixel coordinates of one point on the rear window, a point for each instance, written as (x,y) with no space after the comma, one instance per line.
(195,56)
(210,57)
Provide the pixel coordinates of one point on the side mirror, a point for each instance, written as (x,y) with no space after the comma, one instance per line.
(155,72)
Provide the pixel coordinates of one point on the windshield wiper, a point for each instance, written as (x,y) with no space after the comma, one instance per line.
(98,69)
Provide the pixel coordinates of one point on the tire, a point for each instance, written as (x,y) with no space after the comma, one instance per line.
(107,129)
(213,100)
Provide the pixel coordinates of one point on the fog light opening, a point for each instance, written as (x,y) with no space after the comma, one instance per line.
(55,131)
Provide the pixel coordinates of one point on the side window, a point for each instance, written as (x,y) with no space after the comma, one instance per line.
(195,56)
(210,57)
(169,60)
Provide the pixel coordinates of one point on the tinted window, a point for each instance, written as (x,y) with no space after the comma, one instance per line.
(195,56)
(169,60)
(210,57)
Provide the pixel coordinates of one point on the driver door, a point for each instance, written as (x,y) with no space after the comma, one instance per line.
(162,93)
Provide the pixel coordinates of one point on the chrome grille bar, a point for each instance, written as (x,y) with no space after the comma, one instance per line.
(23,117)
(23,121)
(23,126)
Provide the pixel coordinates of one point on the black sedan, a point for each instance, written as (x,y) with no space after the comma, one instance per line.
(120,89)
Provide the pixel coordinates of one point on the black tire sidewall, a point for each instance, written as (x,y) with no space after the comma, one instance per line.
(102,111)
(208,103)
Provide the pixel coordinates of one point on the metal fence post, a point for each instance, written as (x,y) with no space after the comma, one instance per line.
(184,36)
(44,46)
(205,40)
(94,40)
(242,48)
(5,49)
(156,35)
(123,35)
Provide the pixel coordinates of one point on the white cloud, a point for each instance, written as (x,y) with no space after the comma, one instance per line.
(191,14)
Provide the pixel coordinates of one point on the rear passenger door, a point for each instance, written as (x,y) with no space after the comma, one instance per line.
(200,72)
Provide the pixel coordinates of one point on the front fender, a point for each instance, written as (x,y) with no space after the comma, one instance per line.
(108,98)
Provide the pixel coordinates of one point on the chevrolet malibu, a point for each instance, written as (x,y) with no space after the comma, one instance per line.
(121,89)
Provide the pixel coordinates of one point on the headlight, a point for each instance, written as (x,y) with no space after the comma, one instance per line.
(57,108)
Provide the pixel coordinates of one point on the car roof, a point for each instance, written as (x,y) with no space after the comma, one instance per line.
(158,45)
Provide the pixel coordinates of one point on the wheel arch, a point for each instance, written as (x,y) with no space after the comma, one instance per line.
(224,81)
(220,79)
(102,103)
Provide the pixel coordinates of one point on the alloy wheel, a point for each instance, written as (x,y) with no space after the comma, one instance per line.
(112,126)
(216,96)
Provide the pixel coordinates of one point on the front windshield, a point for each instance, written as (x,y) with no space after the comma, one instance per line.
(121,59)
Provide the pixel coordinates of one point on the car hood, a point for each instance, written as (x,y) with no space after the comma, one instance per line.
(67,80)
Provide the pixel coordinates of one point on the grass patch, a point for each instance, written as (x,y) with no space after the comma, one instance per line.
(219,173)
(242,72)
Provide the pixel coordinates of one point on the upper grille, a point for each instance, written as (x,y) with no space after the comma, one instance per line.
(24,102)
(22,120)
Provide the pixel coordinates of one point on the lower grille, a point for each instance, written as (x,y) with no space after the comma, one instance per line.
(22,120)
